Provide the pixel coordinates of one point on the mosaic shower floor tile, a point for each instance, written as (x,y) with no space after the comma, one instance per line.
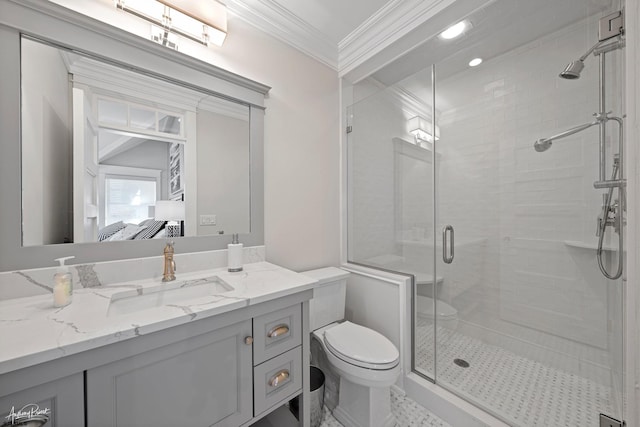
(523,391)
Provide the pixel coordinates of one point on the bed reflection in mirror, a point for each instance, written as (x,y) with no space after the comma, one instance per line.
(101,145)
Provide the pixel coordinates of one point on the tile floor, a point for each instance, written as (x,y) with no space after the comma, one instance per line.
(407,412)
(523,391)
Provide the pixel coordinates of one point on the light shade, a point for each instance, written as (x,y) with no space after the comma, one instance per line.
(204,21)
(209,12)
(169,210)
(420,128)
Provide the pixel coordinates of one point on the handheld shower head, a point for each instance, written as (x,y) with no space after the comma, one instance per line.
(573,69)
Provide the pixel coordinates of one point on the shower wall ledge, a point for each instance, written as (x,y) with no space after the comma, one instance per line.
(586,245)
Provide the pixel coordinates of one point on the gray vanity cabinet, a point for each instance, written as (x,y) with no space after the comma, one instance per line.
(228,370)
(63,398)
(204,380)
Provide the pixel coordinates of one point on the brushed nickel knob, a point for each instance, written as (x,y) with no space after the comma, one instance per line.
(248,340)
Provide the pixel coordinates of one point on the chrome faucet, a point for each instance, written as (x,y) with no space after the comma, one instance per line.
(169,264)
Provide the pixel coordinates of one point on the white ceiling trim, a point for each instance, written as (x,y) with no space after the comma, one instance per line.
(393,21)
(405,100)
(273,19)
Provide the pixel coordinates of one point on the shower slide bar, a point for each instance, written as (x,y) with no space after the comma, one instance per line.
(613,182)
(612,210)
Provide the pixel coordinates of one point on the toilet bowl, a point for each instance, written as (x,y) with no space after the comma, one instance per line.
(447,315)
(365,360)
(360,354)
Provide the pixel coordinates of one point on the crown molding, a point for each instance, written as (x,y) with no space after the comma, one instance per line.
(279,22)
(411,104)
(392,22)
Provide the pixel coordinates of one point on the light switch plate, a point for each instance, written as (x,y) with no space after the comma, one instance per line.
(208,220)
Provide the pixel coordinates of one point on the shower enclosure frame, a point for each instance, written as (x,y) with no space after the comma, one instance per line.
(631,330)
(443,403)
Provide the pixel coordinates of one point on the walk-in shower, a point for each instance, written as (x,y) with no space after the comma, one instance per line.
(521,322)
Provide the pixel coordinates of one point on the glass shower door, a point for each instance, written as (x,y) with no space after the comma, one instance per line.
(537,335)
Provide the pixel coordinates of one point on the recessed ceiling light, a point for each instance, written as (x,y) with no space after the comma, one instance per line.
(475,62)
(454,31)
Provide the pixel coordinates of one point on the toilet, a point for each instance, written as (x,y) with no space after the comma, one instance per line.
(366,361)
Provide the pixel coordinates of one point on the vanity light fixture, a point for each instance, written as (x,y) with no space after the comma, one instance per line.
(455,30)
(475,62)
(203,21)
(418,128)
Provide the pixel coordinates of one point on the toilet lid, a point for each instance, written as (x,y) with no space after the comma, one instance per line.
(361,346)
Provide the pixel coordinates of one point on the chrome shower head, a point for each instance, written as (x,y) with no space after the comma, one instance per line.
(542,144)
(572,71)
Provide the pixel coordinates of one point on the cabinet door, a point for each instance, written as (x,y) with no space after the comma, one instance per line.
(63,398)
(205,380)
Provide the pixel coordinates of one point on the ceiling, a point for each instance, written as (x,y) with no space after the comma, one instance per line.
(497,27)
(343,34)
(335,32)
(335,19)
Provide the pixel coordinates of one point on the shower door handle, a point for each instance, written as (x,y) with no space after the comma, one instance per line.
(447,255)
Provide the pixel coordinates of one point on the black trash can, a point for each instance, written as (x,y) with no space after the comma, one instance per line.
(316,397)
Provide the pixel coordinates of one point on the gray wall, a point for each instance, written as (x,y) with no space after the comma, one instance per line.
(223,173)
(46,146)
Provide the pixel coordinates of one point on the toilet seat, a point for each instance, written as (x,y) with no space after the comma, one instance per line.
(361,346)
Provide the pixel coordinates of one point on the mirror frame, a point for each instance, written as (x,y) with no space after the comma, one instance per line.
(67,29)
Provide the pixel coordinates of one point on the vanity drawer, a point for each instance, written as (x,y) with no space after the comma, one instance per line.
(277,332)
(276,380)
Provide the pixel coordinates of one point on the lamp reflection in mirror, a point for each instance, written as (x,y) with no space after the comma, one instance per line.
(420,128)
(203,21)
(171,211)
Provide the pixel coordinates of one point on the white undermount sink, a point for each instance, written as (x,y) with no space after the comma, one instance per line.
(179,292)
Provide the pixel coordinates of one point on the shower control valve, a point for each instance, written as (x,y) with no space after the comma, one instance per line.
(599,225)
(608,217)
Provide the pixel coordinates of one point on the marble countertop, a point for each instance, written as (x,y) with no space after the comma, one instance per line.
(33,331)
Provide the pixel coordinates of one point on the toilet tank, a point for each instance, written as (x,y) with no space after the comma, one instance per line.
(327,304)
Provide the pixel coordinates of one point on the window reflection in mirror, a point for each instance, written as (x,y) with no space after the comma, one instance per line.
(101,145)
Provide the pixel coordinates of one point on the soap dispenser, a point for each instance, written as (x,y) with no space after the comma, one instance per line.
(234,254)
(62,284)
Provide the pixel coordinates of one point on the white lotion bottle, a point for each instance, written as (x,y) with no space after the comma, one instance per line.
(234,255)
(62,284)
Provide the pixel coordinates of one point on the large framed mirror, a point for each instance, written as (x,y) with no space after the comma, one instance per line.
(120,144)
